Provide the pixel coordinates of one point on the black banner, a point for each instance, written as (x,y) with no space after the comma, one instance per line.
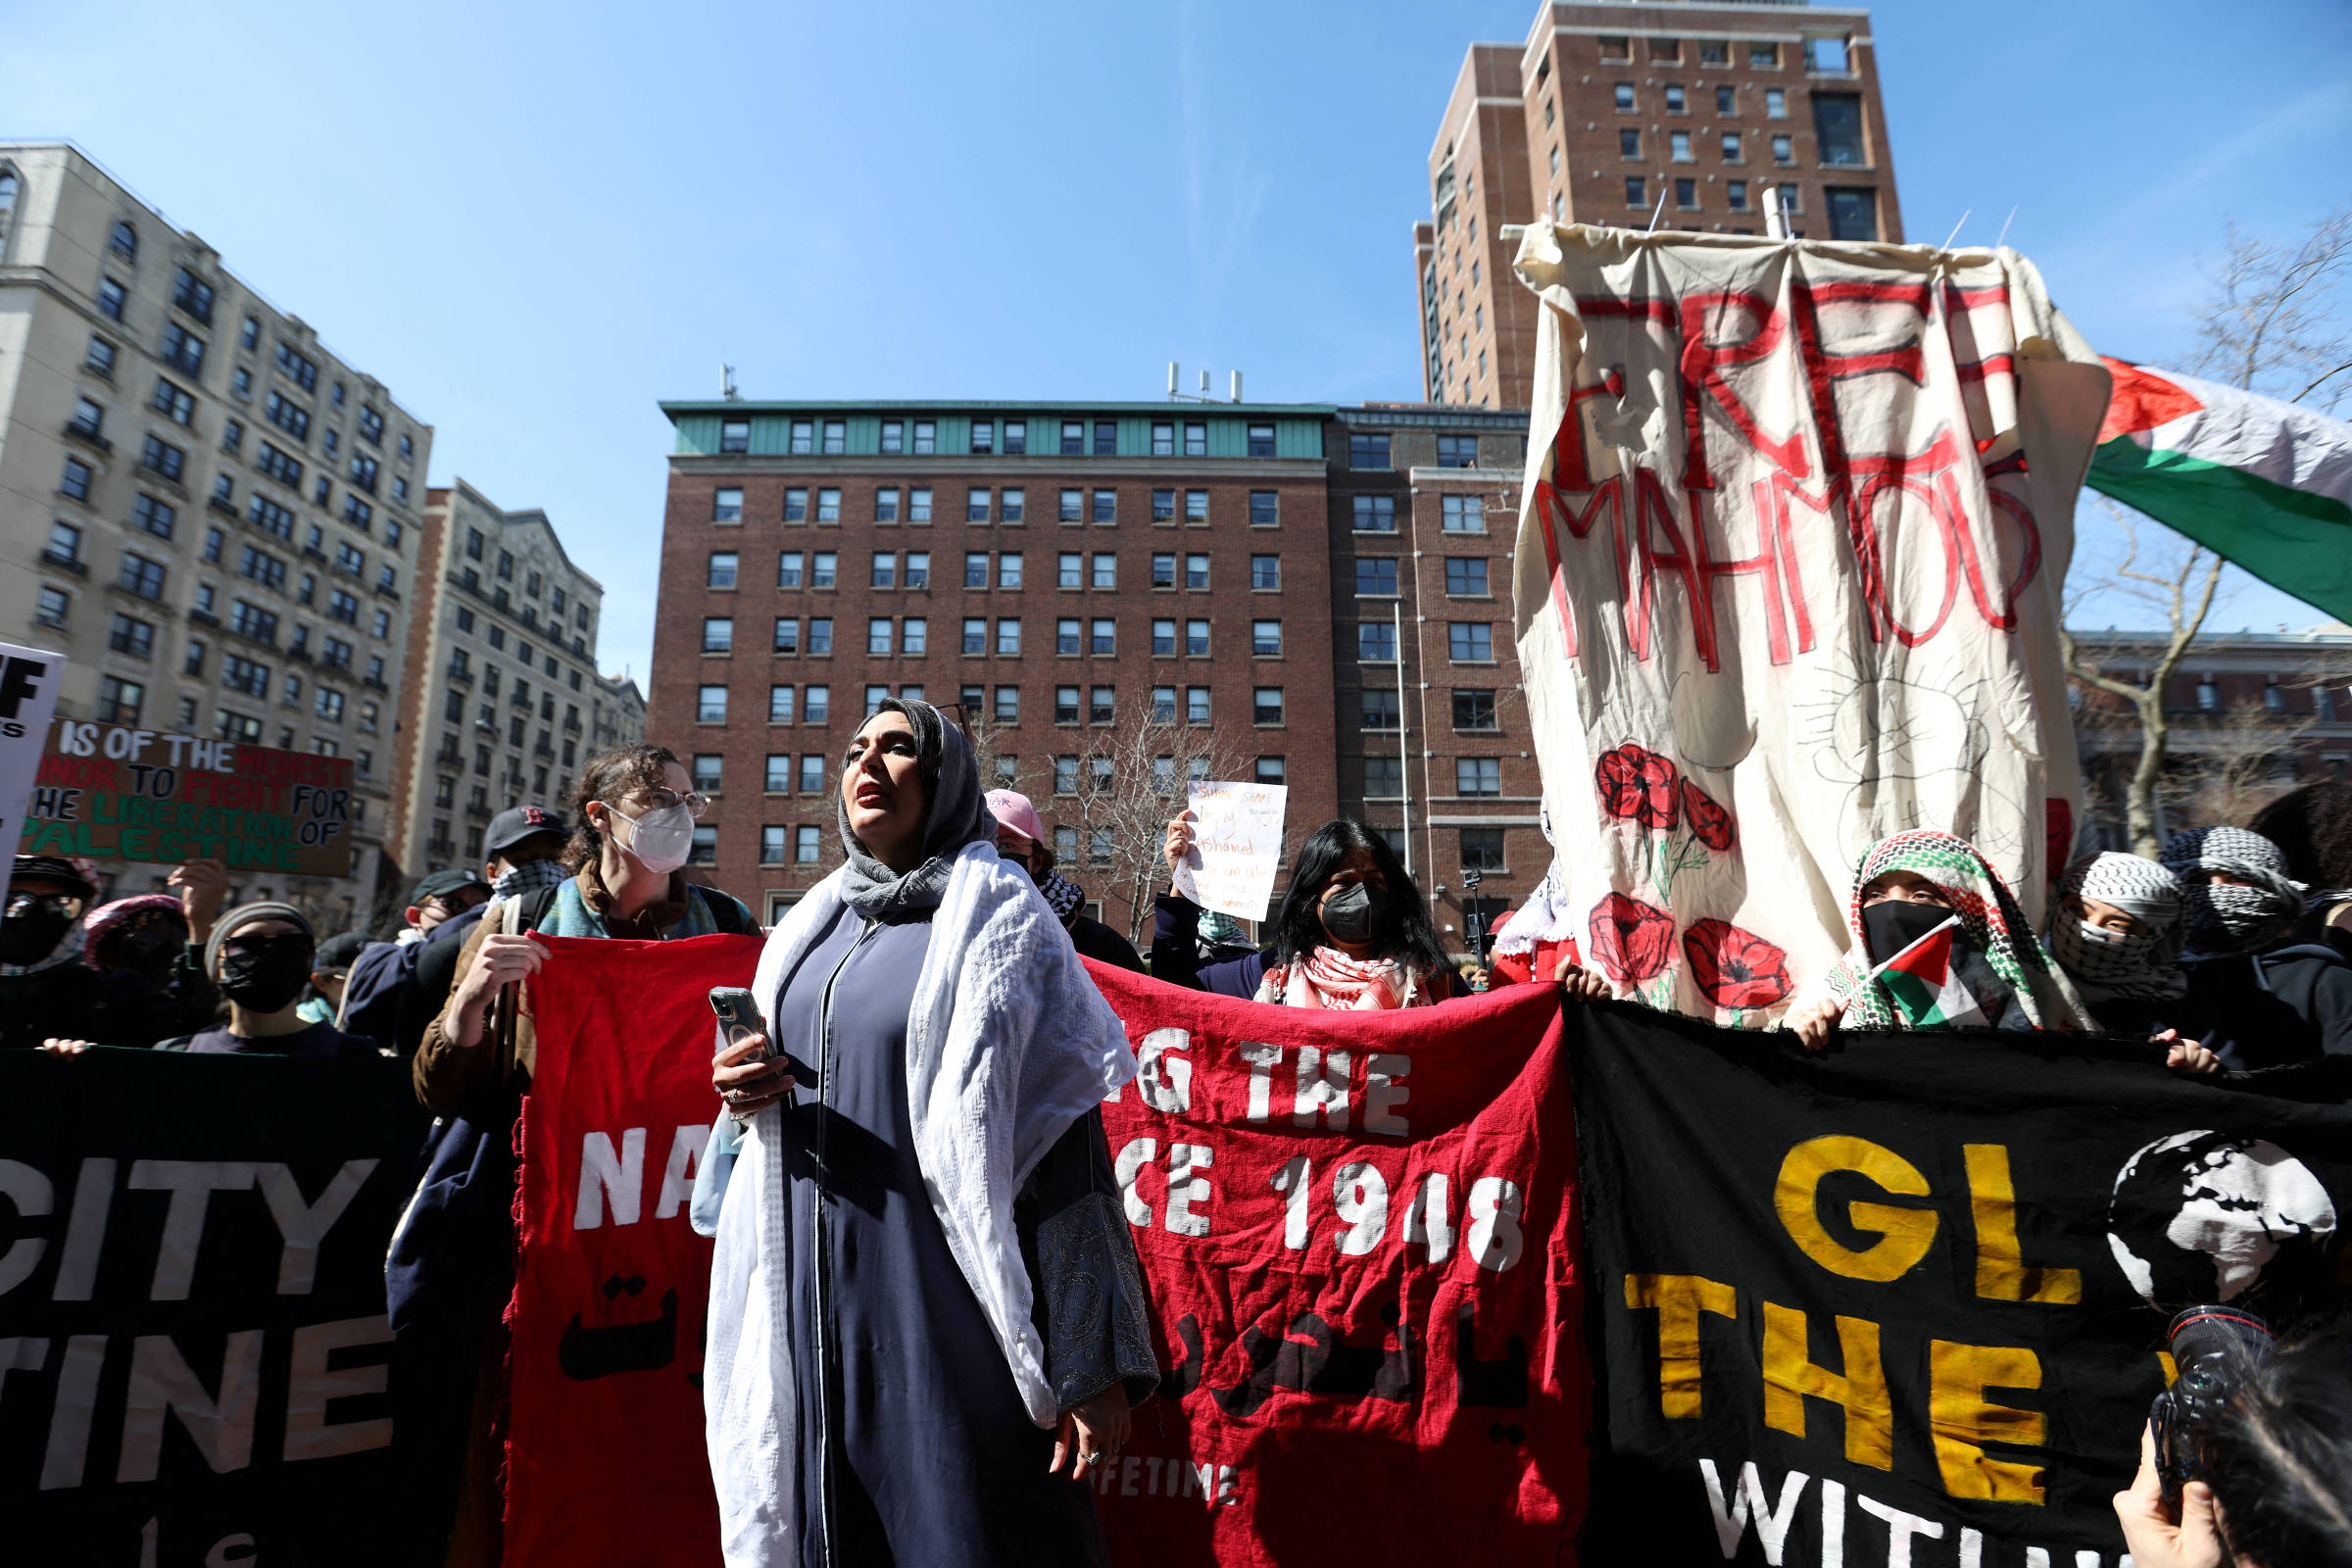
(1902,1303)
(194,1363)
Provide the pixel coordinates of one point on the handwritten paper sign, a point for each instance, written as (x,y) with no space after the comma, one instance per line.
(115,793)
(28,679)
(1236,842)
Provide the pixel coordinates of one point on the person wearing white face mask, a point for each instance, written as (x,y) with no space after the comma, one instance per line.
(633,815)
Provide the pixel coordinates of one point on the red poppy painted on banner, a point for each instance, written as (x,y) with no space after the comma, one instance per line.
(1638,785)
(1733,967)
(1710,822)
(1632,940)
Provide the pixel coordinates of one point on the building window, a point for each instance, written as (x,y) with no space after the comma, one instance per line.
(804,846)
(1102,638)
(734,436)
(926,437)
(779,707)
(1783,150)
(1473,709)
(124,241)
(1367,449)
(836,438)
(1270,770)
(1008,569)
(726,506)
(1265,573)
(1196,705)
(1266,638)
(894,435)
(1196,570)
(1195,440)
(1624,93)
(1105,507)
(796,505)
(53,605)
(1375,576)
(886,506)
(1478,775)
(1106,438)
(1466,575)
(1470,641)
(1376,642)
(885,569)
(816,704)
(1009,637)
(1196,639)
(1853,213)
(788,568)
(705,850)
(1678,147)
(918,505)
(1066,636)
(1382,708)
(719,634)
(1838,126)
(1375,514)
(1102,703)
(1163,505)
(1262,440)
(721,573)
(1775,102)
(139,576)
(111,298)
(877,635)
(1636,192)
(822,568)
(1735,195)
(1163,639)
(1686,193)
(975,505)
(710,705)
(1266,706)
(828,505)
(918,569)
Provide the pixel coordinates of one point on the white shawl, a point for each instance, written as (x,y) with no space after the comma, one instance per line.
(1007,1043)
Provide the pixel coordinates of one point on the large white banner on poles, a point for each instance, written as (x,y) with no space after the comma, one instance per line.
(1791,545)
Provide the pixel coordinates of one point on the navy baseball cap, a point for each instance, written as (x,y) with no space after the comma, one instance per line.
(516,824)
(440,884)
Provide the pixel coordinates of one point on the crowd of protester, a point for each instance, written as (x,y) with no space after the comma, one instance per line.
(2232,951)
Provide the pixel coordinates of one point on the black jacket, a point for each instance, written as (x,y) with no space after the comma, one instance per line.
(2264,1010)
(1099,941)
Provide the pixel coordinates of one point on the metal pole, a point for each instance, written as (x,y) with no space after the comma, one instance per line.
(1404,761)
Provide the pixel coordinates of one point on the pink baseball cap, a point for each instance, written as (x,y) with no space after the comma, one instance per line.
(1012,809)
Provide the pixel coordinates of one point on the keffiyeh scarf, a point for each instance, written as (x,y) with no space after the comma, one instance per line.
(1062,895)
(2223,918)
(2115,966)
(1329,978)
(1990,918)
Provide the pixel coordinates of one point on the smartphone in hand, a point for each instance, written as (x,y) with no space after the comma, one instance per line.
(738,1016)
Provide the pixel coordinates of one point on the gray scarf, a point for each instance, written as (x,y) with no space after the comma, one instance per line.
(955,813)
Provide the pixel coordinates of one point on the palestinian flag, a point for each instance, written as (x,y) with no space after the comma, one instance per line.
(2264,484)
(1926,988)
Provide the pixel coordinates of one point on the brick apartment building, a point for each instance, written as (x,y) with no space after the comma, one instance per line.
(2251,715)
(1063,570)
(1606,110)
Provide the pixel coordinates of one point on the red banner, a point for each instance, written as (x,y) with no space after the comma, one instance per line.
(1358,1230)
(604,1456)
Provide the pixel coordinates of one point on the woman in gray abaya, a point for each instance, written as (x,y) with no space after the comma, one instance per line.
(927,1321)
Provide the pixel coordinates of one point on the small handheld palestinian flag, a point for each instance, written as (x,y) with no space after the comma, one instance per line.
(1925,987)
(2264,484)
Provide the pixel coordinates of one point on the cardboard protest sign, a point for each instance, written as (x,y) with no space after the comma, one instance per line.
(112,792)
(1357,1231)
(29,678)
(195,1365)
(1790,548)
(604,1456)
(1236,846)
(1903,1301)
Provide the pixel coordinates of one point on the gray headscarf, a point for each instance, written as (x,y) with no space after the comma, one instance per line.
(2223,919)
(2113,965)
(955,813)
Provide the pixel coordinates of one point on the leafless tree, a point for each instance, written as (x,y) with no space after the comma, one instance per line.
(2271,325)
(1114,797)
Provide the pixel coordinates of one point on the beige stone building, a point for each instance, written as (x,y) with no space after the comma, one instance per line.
(216,517)
(502,676)
(619,717)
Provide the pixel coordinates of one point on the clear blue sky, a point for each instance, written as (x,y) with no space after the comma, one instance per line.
(534,222)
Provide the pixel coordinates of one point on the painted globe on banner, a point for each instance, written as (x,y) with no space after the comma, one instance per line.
(2211,1216)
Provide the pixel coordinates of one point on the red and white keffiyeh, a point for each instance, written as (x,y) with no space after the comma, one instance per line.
(1329,978)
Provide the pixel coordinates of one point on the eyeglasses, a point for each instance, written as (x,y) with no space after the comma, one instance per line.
(696,803)
(65,904)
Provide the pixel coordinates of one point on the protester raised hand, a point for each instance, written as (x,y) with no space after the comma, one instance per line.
(2187,1056)
(1581,984)
(203,886)
(750,1086)
(1180,839)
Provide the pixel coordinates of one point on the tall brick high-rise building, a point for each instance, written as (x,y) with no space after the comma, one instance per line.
(1695,116)
(1073,574)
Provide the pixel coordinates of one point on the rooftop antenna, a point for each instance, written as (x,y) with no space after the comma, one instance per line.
(1955,233)
(726,384)
(1203,385)
(2005,222)
(1237,386)
(1172,381)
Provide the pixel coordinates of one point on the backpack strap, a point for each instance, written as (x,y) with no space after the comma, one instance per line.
(726,912)
(535,907)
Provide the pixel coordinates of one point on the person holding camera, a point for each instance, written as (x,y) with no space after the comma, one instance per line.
(2247,1458)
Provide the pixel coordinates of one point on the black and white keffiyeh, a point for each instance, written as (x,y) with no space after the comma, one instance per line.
(2117,965)
(2225,918)
(1062,895)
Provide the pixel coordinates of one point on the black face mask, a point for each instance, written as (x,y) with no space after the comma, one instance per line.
(151,948)
(267,980)
(31,930)
(1351,914)
(1893,924)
